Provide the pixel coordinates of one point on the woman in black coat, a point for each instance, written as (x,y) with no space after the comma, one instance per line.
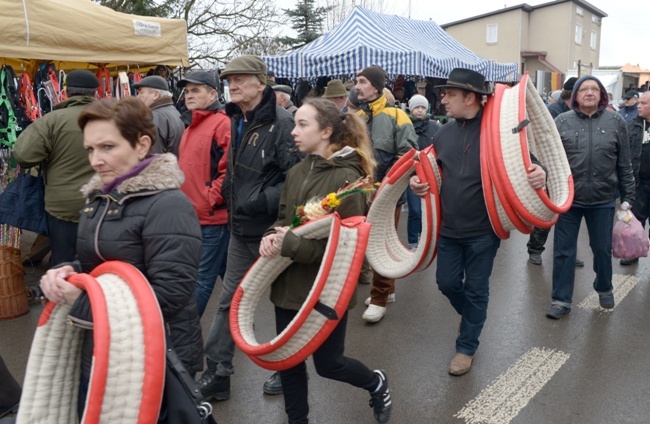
(134,213)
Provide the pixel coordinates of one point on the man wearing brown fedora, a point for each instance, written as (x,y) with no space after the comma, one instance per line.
(467,245)
(336,93)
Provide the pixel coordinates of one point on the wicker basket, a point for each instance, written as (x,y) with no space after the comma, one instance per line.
(13,297)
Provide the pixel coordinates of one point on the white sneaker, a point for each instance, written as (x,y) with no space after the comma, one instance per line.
(391,299)
(374,313)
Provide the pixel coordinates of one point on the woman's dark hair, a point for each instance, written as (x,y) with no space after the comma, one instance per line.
(131,116)
(347,130)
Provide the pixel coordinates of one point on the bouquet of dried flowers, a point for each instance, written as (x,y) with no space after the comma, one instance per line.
(315,207)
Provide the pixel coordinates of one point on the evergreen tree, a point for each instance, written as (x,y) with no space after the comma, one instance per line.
(141,7)
(307,20)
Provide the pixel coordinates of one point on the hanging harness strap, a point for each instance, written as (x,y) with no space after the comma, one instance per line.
(9,127)
(122,88)
(104,76)
(28,98)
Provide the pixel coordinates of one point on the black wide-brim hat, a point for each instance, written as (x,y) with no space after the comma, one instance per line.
(466,79)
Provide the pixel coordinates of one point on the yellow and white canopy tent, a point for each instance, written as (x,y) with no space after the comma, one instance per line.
(82,34)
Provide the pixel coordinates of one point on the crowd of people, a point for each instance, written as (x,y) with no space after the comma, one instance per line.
(188,198)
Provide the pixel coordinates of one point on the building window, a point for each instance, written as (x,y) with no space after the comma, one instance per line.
(491,34)
(595,19)
(594,40)
(578,34)
(580,11)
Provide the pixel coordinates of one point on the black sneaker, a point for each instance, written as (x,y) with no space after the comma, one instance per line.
(214,386)
(380,400)
(273,386)
(629,262)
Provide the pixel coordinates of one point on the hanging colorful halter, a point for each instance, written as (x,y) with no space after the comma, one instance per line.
(128,372)
(122,88)
(105,90)
(9,126)
(325,305)
(386,253)
(28,97)
(516,122)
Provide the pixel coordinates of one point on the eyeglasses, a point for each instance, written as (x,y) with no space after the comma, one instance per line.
(592,89)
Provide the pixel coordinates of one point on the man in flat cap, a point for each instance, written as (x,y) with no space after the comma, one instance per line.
(336,93)
(283,98)
(467,245)
(57,141)
(392,135)
(154,92)
(202,158)
(261,153)
(631,109)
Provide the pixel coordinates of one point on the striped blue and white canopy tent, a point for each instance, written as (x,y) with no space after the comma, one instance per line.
(399,45)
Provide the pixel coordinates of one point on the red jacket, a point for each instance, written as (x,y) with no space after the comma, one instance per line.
(203,158)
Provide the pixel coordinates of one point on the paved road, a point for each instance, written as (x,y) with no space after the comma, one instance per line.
(591,367)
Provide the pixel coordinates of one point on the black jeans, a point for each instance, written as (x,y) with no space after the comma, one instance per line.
(641,204)
(63,239)
(537,240)
(329,362)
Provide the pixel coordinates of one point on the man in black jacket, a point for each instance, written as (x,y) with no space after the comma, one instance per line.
(639,135)
(261,151)
(467,244)
(597,147)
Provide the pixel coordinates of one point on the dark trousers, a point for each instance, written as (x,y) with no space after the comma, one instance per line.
(329,361)
(63,239)
(600,223)
(463,275)
(537,240)
(641,204)
(9,388)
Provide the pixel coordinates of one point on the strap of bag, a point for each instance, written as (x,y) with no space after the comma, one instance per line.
(204,408)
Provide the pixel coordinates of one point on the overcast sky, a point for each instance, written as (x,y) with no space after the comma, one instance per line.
(625,31)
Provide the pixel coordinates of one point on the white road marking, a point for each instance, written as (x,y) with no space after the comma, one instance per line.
(502,400)
(622,286)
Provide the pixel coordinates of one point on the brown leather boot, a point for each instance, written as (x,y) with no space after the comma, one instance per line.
(460,364)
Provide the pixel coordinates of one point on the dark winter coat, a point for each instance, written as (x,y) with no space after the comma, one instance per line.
(316,177)
(149,223)
(557,108)
(258,161)
(458,147)
(169,126)
(425,129)
(598,151)
(639,151)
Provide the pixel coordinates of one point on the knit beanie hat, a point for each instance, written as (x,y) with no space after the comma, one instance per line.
(418,100)
(376,75)
(81,78)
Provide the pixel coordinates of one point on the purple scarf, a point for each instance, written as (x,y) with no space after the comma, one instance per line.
(132,173)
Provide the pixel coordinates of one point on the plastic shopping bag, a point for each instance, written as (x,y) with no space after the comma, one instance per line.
(629,240)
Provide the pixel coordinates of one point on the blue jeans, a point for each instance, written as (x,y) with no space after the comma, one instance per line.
(414,223)
(600,223)
(214,250)
(219,345)
(470,258)
(63,239)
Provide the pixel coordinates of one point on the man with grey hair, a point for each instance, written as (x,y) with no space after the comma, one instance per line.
(283,98)
(154,92)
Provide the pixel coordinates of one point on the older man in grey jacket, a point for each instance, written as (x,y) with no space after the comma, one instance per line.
(154,92)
